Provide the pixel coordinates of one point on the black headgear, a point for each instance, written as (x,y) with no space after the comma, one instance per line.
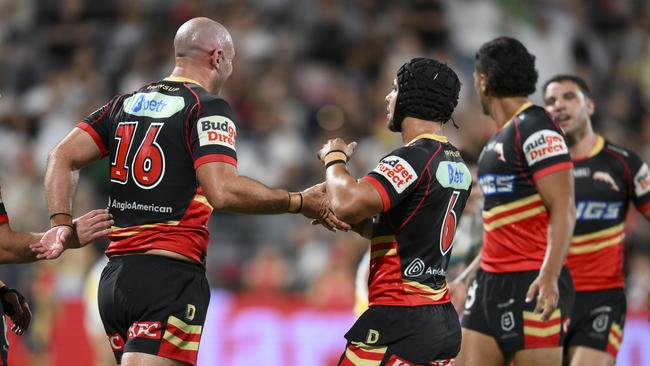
(427,89)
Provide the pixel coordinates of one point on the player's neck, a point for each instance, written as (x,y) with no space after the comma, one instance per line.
(503,109)
(414,127)
(190,73)
(582,143)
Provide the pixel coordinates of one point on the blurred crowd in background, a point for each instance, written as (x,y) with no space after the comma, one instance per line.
(305,71)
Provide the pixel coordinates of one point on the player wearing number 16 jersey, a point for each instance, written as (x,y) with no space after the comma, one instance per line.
(171,146)
(608,178)
(419,192)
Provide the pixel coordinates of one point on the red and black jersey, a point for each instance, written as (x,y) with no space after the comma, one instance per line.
(515,220)
(155,138)
(3,213)
(606,181)
(424,187)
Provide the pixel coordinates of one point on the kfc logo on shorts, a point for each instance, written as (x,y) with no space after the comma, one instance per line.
(150,330)
(642,181)
(397,171)
(216,130)
(544,144)
(116,341)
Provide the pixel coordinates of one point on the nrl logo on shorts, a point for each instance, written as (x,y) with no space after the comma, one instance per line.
(415,269)
(600,323)
(507,321)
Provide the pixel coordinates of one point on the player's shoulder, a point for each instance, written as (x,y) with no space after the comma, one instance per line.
(619,150)
(532,115)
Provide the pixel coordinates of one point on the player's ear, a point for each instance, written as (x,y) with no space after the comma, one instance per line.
(591,107)
(215,58)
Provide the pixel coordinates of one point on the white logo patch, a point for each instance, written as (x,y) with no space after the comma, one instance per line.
(544,144)
(397,171)
(154,105)
(642,181)
(600,323)
(507,321)
(216,130)
(415,268)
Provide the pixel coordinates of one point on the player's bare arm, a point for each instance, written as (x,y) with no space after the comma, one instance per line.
(459,286)
(74,152)
(353,201)
(557,192)
(227,190)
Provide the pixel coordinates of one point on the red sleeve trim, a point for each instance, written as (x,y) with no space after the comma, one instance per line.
(4,219)
(644,207)
(380,189)
(214,158)
(98,140)
(552,169)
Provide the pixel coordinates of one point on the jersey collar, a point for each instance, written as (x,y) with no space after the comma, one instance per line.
(598,147)
(521,109)
(431,136)
(181,79)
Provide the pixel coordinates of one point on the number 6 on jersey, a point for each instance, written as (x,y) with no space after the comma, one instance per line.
(148,164)
(448,229)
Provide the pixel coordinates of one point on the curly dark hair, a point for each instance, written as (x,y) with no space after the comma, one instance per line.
(580,82)
(509,68)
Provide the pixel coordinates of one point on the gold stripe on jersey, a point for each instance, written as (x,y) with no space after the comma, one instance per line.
(600,143)
(519,110)
(384,252)
(596,234)
(616,329)
(132,230)
(382,239)
(514,218)
(511,206)
(597,240)
(186,328)
(424,290)
(202,199)
(358,360)
(431,136)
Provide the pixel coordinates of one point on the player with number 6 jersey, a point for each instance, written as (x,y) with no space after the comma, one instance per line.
(408,207)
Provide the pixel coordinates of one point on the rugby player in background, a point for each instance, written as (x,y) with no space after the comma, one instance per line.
(607,178)
(172,151)
(526,175)
(14,248)
(418,192)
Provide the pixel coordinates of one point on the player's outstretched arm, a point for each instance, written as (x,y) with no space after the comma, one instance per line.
(14,245)
(459,286)
(353,201)
(226,190)
(557,193)
(74,152)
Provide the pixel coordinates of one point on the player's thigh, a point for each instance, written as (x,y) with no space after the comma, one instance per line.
(478,349)
(145,359)
(585,356)
(551,356)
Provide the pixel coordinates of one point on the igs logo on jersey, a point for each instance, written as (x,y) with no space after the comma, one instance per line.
(397,171)
(642,181)
(216,130)
(544,144)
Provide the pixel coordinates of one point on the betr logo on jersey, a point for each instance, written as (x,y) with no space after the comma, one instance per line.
(642,181)
(397,171)
(154,105)
(216,130)
(544,144)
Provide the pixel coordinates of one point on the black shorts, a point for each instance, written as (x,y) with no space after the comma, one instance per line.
(597,321)
(496,306)
(153,304)
(415,335)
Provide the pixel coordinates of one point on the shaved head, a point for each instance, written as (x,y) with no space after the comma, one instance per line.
(204,53)
(200,35)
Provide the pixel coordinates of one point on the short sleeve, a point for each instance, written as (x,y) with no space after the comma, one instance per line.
(543,145)
(3,213)
(640,182)
(397,174)
(97,125)
(213,134)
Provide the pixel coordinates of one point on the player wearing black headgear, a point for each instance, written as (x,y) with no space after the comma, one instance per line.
(428,90)
(416,195)
(526,176)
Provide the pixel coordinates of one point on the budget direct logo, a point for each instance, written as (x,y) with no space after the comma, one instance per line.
(216,130)
(153,105)
(544,144)
(642,181)
(397,171)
